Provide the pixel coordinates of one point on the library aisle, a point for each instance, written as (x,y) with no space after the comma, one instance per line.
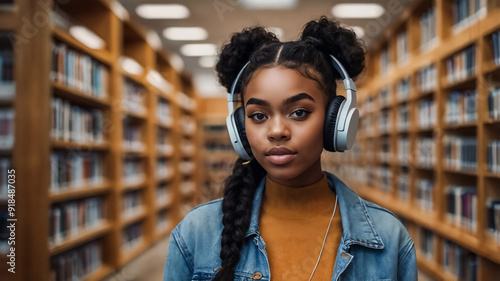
(112,128)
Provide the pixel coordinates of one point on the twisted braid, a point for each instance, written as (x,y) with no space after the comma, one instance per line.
(237,208)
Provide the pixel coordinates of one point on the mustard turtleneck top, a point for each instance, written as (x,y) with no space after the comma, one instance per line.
(293,222)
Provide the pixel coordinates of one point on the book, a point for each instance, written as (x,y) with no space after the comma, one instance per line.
(424,197)
(133,170)
(426,78)
(462,64)
(7,132)
(460,152)
(74,123)
(461,107)
(427,29)
(77,263)
(495,38)
(133,136)
(493,157)
(74,170)
(132,236)
(402,47)
(131,203)
(462,206)
(133,98)
(71,218)
(79,71)
(427,114)
(164,112)
(426,152)
(7,81)
(494,103)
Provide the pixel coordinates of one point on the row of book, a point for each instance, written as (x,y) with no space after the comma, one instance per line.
(402,47)
(164,112)
(188,187)
(75,170)
(5,165)
(493,206)
(214,146)
(132,236)
(132,137)
(427,28)
(79,71)
(462,206)
(77,124)
(426,239)
(460,262)
(403,88)
(494,103)
(461,65)
(72,218)
(466,11)
(385,97)
(384,122)
(384,175)
(186,167)
(427,114)
(495,37)
(133,170)
(366,124)
(494,157)
(403,186)
(460,152)
(404,150)
(6,128)
(403,117)
(461,107)
(426,152)
(131,203)
(425,189)
(188,124)
(162,194)
(162,220)
(427,78)
(212,129)
(133,98)
(384,152)
(4,231)
(164,170)
(164,142)
(187,147)
(77,263)
(384,61)
(7,83)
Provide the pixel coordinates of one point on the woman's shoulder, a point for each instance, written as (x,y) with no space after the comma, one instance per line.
(202,219)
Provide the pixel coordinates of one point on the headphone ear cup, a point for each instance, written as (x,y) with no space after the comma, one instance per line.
(239,119)
(331,114)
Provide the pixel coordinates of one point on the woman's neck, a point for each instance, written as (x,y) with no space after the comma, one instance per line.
(298,202)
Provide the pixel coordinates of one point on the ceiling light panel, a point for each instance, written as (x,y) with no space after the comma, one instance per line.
(358,10)
(162,11)
(268,5)
(185,33)
(198,50)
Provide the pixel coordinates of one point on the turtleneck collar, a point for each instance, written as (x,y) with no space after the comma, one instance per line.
(298,202)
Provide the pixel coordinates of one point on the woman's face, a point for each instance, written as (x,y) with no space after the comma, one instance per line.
(285,113)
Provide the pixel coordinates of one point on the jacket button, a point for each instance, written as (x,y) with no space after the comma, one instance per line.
(257,275)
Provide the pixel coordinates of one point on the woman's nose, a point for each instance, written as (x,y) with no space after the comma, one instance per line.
(278,129)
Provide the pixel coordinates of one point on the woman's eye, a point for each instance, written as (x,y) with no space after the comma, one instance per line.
(257,116)
(299,113)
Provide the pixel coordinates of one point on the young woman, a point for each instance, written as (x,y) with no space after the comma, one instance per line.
(281,215)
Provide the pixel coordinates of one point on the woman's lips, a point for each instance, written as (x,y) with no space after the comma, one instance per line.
(280,155)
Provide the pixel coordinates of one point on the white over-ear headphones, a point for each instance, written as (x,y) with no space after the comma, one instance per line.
(341,118)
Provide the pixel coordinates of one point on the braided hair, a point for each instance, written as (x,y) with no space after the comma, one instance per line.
(310,57)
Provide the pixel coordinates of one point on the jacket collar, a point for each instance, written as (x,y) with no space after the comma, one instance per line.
(358,227)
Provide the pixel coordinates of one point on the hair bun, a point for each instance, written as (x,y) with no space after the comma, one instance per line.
(328,36)
(237,52)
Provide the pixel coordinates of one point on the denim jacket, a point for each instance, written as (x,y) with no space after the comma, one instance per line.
(374,244)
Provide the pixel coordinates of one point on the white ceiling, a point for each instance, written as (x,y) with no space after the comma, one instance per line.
(221,18)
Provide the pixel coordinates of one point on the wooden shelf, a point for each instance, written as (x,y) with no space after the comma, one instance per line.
(71,194)
(466,83)
(81,238)
(103,56)
(130,254)
(134,218)
(88,146)
(135,186)
(75,96)
(31,154)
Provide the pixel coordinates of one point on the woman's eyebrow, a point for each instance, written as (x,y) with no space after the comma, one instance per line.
(257,102)
(298,97)
(289,100)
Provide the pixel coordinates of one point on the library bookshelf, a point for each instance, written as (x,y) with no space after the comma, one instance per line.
(103,139)
(427,128)
(218,153)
